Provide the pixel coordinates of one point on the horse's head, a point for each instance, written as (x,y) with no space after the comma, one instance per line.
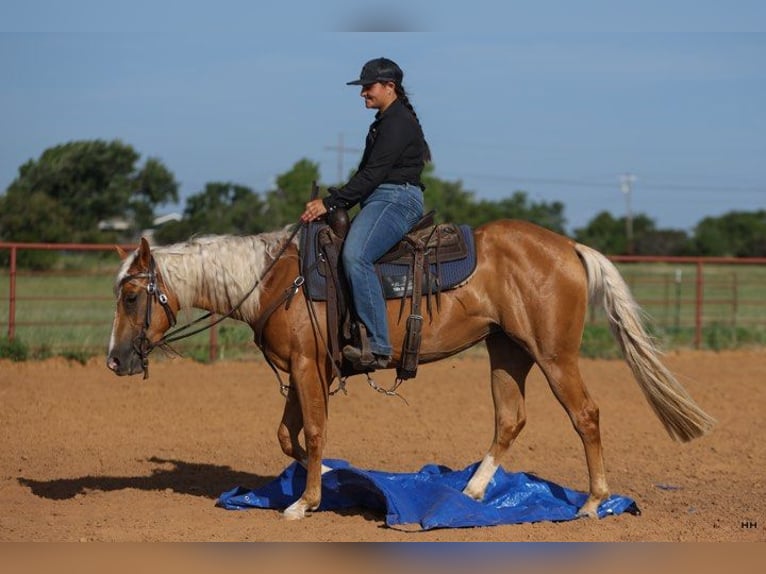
(145,311)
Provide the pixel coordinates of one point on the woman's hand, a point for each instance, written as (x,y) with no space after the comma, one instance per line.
(314,210)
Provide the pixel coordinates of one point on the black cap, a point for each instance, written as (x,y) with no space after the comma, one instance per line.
(379,70)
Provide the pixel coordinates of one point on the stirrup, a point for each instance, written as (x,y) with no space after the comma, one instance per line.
(365,361)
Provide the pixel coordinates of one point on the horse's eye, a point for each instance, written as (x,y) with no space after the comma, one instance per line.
(130,298)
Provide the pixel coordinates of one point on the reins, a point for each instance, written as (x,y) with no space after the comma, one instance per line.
(284,299)
(143,346)
(178,334)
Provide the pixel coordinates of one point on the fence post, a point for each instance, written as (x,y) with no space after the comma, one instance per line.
(734,304)
(677,315)
(213,349)
(698,305)
(12,296)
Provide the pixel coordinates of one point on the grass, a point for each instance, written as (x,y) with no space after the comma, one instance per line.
(13,349)
(68,312)
(732,293)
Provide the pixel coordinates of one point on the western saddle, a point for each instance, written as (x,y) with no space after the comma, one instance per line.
(422,250)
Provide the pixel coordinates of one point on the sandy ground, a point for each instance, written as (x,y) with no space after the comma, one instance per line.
(87,456)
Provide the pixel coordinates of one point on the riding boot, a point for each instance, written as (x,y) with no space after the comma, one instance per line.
(362,363)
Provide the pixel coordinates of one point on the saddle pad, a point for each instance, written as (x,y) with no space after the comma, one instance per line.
(394,278)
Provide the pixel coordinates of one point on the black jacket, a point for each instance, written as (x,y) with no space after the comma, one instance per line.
(393,153)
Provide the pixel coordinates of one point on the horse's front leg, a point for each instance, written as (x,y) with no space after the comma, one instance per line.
(290,428)
(309,386)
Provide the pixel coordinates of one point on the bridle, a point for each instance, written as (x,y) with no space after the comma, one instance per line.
(141,343)
(154,294)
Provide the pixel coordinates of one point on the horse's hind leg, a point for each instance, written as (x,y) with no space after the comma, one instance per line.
(510,365)
(565,380)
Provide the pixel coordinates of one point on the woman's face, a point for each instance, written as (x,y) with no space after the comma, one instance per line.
(378,96)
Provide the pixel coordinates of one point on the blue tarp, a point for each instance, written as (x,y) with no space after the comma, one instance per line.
(430,498)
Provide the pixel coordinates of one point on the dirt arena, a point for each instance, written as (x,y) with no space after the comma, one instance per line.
(88,456)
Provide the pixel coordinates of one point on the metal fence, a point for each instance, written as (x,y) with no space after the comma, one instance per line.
(68,309)
(691,301)
(704,297)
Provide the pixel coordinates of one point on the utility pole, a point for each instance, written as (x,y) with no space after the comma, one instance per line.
(626,186)
(341,149)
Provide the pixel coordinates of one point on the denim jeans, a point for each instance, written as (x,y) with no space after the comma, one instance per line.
(386,215)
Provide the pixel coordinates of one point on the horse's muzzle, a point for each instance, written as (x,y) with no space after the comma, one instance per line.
(129,364)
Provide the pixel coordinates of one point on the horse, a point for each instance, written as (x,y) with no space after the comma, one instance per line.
(526,299)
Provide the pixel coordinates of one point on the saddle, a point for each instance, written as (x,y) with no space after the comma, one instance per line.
(428,260)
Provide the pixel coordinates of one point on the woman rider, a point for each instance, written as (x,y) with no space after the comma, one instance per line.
(388,187)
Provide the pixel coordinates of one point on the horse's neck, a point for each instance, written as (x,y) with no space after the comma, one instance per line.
(216,276)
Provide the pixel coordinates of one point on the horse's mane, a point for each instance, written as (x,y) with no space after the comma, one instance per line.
(219,268)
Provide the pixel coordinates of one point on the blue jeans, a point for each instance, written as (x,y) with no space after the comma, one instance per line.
(386,215)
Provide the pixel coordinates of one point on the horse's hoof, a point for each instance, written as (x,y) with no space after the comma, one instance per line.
(588,511)
(477,496)
(590,508)
(296,511)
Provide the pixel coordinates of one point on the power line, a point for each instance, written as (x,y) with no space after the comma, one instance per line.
(592,183)
(542,181)
(711,188)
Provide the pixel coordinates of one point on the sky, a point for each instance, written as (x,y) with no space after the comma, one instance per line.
(557,99)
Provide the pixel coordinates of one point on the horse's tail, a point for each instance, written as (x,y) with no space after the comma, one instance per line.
(681,416)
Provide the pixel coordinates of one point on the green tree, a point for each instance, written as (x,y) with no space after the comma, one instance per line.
(449,199)
(455,204)
(609,234)
(35,218)
(518,206)
(286,203)
(85,182)
(734,234)
(219,208)
(664,242)
(153,185)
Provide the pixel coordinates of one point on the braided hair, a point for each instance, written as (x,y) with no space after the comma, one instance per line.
(402,94)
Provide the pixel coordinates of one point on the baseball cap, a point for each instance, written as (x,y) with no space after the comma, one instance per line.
(378,70)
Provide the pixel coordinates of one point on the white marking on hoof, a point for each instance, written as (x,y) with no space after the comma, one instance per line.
(296,511)
(477,486)
(589,510)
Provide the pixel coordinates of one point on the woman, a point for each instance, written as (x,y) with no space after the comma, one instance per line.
(388,187)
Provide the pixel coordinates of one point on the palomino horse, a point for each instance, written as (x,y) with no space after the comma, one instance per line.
(526,299)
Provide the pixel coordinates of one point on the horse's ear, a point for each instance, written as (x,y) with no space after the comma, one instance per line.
(144,253)
(121,252)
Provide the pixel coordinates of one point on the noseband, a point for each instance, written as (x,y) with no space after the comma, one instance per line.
(141,343)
